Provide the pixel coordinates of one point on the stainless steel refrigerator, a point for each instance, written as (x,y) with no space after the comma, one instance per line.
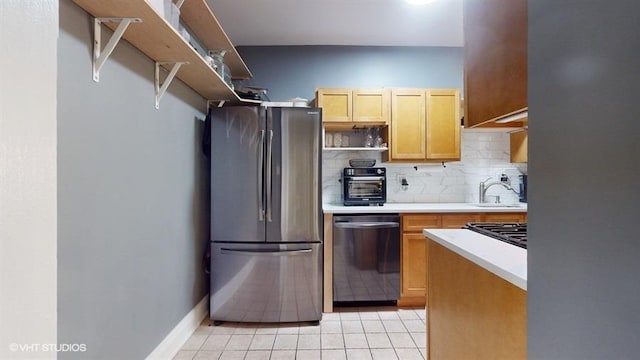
(266,214)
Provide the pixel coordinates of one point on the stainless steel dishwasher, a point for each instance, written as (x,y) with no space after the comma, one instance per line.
(366,258)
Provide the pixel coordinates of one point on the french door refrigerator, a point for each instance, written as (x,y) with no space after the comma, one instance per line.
(266,214)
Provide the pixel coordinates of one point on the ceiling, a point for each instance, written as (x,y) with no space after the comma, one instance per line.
(340,22)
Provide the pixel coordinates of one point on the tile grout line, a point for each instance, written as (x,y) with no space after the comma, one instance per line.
(365,337)
(356,319)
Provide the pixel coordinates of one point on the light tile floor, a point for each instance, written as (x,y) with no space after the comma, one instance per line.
(348,334)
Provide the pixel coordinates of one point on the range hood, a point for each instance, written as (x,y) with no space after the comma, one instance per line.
(518,116)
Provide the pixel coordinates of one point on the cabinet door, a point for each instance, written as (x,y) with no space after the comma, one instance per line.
(335,104)
(457,221)
(495,59)
(519,151)
(505,217)
(371,105)
(443,124)
(417,222)
(408,121)
(414,266)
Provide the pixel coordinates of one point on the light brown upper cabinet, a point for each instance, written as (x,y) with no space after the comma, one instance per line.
(335,103)
(495,60)
(519,150)
(408,124)
(348,108)
(443,124)
(425,125)
(371,105)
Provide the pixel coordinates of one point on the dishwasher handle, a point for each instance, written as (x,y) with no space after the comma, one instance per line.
(367,225)
(264,253)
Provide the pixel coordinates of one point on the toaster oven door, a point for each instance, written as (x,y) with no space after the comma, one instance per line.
(364,190)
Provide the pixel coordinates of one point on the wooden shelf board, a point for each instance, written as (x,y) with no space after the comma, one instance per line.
(351,125)
(207,29)
(157,39)
(356,148)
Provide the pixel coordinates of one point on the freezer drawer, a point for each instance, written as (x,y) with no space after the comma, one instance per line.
(266,282)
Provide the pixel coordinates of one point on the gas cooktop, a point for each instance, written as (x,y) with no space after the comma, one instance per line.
(512,233)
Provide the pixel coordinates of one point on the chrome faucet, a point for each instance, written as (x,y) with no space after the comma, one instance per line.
(482,189)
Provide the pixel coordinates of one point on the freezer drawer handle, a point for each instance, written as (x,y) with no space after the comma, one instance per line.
(265,253)
(366,225)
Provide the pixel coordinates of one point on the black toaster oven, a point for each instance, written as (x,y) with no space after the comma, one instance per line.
(364,186)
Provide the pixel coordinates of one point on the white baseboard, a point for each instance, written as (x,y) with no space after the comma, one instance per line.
(172,343)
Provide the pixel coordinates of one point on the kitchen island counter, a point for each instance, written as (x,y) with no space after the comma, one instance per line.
(507,261)
(424,208)
(476,295)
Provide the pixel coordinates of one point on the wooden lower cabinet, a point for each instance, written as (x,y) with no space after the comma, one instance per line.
(457,221)
(505,217)
(494,320)
(415,251)
(417,222)
(414,270)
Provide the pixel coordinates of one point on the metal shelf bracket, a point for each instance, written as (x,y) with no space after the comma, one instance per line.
(100,57)
(161,89)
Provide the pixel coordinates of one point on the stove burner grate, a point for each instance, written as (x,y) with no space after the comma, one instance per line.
(512,233)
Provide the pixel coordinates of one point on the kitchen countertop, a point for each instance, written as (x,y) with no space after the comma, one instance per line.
(505,260)
(422,208)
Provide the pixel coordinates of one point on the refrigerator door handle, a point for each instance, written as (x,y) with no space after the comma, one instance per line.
(260,177)
(264,253)
(268,176)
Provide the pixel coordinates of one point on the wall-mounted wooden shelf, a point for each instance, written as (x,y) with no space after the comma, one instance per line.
(207,29)
(356,148)
(157,39)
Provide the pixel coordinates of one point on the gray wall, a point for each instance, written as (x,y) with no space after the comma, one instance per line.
(290,71)
(583,174)
(132,199)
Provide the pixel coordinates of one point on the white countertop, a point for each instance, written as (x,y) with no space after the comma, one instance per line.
(422,208)
(505,260)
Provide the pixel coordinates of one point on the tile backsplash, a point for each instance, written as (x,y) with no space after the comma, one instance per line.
(485,154)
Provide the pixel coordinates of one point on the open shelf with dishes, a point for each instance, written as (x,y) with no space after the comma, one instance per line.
(157,39)
(361,139)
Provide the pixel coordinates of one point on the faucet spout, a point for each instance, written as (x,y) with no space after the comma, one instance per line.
(483,187)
